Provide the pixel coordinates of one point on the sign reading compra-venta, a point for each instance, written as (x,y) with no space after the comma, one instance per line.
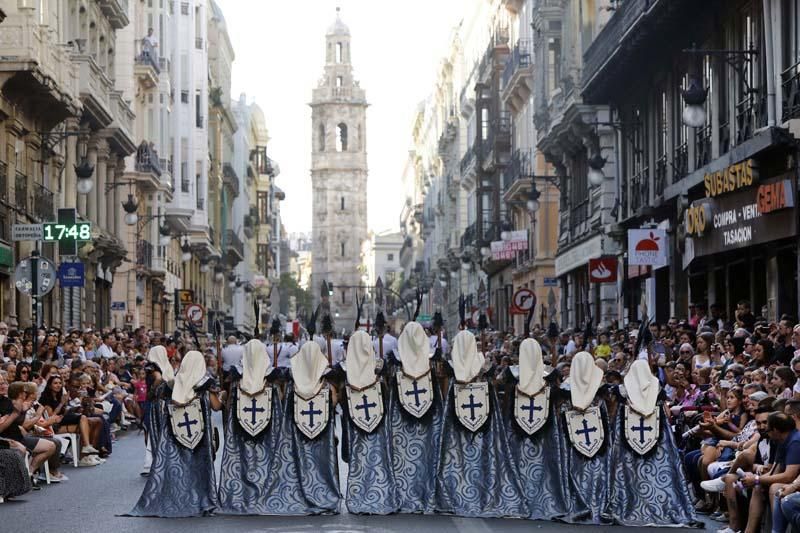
(748,216)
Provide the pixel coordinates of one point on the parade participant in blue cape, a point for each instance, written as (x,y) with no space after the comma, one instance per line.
(308,420)
(370,480)
(415,416)
(257,475)
(181,481)
(648,487)
(585,445)
(534,434)
(476,476)
(158,374)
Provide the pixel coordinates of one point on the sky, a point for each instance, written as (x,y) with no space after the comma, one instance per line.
(396,49)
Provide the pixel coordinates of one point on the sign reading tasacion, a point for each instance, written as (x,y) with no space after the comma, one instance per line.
(755,215)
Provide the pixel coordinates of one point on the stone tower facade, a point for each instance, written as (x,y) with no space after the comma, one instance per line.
(339,178)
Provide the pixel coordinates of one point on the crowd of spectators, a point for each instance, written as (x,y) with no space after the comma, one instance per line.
(730,387)
(90,384)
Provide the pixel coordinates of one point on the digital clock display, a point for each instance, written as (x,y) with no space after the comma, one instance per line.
(78,231)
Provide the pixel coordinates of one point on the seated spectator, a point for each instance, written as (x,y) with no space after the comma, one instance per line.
(68,419)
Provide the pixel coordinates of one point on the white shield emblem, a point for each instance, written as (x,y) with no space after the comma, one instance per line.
(311,416)
(586,430)
(254,412)
(472,404)
(416,394)
(531,411)
(366,406)
(641,432)
(187,423)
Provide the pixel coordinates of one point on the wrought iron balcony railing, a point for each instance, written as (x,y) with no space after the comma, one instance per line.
(144,254)
(147,159)
(43,202)
(21,191)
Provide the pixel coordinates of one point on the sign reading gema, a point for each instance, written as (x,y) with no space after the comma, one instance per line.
(743,218)
(77,231)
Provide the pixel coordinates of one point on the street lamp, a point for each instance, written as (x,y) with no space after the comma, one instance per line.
(164,235)
(533,198)
(186,250)
(596,164)
(204,264)
(505,234)
(232,280)
(219,273)
(84,171)
(130,206)
(694,113)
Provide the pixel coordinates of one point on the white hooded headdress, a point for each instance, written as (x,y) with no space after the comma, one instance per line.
(192,370)
(642,388)
(413,347)
(158,355)
(360,361)
(585,378)
(256,365)
(531,367)
(467,361)
(308,366)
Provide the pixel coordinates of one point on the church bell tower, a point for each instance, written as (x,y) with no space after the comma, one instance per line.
(338,178)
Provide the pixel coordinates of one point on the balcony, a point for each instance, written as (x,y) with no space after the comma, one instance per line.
(790,80)
(94,88)
(21,192)
(201,202)
(198,120)
(198,43)
(518,170)
(230,179)
(467,167)
(518,77)
(146,65)
(470,236)
(144,255)
(147,167)
(43,203)
(250,224)
(702,147)
(234,247)
(660,175)
(121,129)
(639,190)
(3,181)
(496,150)
(34,68)
(116,11)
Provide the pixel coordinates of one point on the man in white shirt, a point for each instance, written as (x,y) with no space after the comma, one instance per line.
(106,348)
(433,340)
(389,345)
(232,354)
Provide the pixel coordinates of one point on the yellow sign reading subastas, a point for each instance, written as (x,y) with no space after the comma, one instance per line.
(729,179)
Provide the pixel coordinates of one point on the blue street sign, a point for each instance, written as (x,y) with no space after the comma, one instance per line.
(71,274)
(550,282)
(117,306)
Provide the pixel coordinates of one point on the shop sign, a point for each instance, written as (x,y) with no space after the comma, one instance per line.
(647,247)
(71,274)
(744,218)
(730,179)
(504,250)
(183,299)
(603,270)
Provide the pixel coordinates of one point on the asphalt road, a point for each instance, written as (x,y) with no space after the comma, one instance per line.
(93,498)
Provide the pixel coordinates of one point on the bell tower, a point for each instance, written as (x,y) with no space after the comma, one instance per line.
(338,177)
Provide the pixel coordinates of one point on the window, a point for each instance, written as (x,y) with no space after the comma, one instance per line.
(321,137)
(184,97)
(390,257)
(553,64)
(198,110)
(341,137)
(184,8)
(263,257)
(484,124)
(343,299)
(338,81)
(263,206)
(338,52)
(342,245)
(342,203)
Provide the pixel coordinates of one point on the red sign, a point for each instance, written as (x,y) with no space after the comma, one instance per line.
(603,270)
(523,301)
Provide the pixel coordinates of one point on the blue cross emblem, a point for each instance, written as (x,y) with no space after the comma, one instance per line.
(311,412)
(187,424)
(531,407)
(585,432)
(641,429)
(472,406)
(365,405)
(253,410)
(416,392)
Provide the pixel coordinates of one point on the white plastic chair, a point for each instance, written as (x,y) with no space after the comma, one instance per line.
(74,443)
(45,467)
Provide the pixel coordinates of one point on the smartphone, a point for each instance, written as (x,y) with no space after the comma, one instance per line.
(725,384)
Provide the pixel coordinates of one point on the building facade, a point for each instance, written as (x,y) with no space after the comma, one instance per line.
(339,177)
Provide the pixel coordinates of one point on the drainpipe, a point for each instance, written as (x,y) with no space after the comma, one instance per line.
(770,62)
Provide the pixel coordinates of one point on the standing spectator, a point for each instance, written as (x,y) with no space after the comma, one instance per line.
(744,317)
(232,355)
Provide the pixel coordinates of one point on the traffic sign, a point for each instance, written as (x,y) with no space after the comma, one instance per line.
(26,232)
(523,301)
(46,275)
(195,313)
